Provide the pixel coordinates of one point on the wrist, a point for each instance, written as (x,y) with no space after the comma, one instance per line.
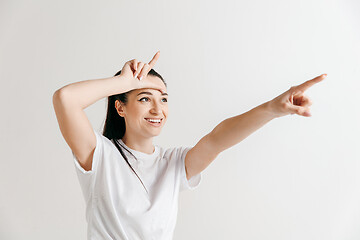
(121,84)
(267,109)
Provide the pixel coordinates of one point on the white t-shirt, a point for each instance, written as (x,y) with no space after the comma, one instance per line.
(117,204)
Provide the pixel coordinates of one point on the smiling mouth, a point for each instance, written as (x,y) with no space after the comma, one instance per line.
(157,123)
(154,119)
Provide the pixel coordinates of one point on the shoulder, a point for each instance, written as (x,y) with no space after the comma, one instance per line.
(103,142)
(176,152)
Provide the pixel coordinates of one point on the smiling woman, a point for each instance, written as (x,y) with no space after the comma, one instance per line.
(130,186)
(118,207)
(124,112)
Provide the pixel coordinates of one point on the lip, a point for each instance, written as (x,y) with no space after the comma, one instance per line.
(154,124)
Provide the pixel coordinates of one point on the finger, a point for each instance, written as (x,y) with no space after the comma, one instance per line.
(144,71)
(304,86)
(300,100)
(154,59)
(134,64)
(139,67)
(305,102)
(162,90)
(302,111)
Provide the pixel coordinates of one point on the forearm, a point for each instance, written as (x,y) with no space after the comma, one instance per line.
(85,93)
(235,129)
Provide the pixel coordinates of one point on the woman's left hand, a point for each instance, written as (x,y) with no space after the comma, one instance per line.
(294,100)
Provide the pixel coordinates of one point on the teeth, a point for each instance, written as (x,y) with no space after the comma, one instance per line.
(154,120)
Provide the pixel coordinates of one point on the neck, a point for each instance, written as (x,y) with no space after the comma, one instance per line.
(139,144)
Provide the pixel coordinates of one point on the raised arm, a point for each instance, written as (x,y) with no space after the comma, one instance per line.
(70,101)
(69,104)
(226,134)
(233,130)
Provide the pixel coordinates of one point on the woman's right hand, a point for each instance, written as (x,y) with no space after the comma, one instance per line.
(136,72)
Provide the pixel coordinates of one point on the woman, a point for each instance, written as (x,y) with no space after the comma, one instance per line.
(130,186)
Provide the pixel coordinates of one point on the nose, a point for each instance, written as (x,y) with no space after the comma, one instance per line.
(156,108)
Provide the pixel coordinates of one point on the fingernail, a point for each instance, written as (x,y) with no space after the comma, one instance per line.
(136,75)
(141,78)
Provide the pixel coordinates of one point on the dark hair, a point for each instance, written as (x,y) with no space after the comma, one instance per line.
(115,127)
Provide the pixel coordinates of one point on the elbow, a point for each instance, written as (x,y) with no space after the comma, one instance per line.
(58,97)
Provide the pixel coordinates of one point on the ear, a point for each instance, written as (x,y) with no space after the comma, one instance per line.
(119,108)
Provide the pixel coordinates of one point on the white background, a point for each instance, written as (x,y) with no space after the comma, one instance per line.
(295,178)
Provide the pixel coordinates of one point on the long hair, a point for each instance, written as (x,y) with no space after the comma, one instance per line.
(115,127)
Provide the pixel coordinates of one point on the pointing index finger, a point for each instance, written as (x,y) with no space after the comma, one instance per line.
(304,86)
(154,59)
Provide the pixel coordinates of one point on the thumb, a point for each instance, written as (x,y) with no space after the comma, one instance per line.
(302,111)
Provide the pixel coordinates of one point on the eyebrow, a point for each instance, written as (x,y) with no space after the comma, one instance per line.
(149,93)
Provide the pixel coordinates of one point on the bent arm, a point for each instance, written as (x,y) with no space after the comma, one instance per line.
(85,93)
(69,103)
(235,129)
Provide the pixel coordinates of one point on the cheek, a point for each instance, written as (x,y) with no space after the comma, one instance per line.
(135,112)
(166,112)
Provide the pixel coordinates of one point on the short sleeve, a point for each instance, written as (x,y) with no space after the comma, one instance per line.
(194,181)
(86,178)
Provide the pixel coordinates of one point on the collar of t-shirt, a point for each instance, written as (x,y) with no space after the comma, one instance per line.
(143,159)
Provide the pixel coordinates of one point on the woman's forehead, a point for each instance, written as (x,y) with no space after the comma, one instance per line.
(148,91)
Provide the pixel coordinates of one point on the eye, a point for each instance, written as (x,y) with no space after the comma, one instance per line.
(143,98)
(148,99)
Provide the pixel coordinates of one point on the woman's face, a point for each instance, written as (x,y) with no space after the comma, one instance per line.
(146,110)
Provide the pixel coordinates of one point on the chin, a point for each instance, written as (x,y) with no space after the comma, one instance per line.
(153,133)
